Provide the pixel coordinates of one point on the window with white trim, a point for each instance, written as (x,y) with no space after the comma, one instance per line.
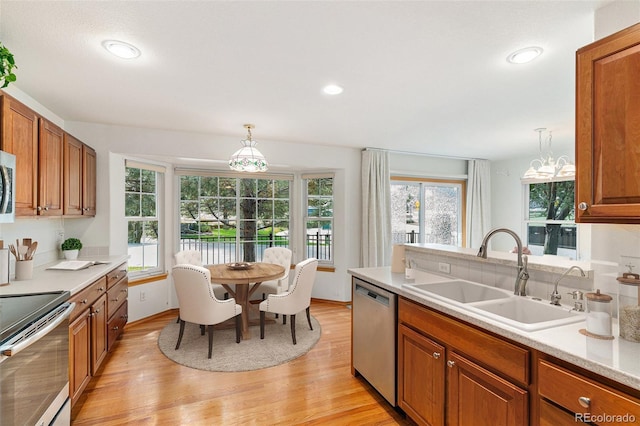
(318,221)
(143,194)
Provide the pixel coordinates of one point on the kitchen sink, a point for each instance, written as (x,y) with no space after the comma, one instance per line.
(461,291)
(501,305)
(528,314)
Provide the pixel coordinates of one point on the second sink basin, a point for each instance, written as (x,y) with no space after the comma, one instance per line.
(461,291)
(527,314)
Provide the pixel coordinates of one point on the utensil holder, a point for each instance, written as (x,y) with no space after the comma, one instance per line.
(24,270)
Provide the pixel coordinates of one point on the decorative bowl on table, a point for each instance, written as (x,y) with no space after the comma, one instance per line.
(238,266)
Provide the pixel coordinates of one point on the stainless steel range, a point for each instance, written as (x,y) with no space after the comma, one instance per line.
(34,359)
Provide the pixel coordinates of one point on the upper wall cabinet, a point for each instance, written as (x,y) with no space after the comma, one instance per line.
(50,175)
(79,178)
(608,129)
(20,137)
(51,180)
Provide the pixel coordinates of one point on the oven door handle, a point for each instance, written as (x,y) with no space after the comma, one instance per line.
(15,349)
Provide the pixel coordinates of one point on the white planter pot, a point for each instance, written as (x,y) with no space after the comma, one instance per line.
(70,254)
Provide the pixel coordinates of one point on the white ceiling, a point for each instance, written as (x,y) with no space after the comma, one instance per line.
(426,76)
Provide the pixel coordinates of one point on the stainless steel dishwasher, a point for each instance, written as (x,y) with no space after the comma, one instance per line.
(374,337)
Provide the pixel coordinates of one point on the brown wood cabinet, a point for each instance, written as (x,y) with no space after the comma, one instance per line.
(19,136)
(485,379)
(79,354)
(56,172)
(89,181)
(608,129)
(421,377)
(117,293)
(583,398)
(50,159)
(87,336)
(96,322)
(79,178)
(476,396)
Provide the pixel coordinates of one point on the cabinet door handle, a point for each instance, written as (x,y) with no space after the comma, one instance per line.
(100,289)
(97,311)
(451,363)
(84,301)
(115,328)
(584,401)
(583,206)
(436,355)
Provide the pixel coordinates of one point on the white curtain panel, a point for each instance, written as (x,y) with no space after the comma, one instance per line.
(376,209)
(478,201)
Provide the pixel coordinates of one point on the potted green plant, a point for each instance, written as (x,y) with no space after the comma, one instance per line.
(70,248)
(7,64)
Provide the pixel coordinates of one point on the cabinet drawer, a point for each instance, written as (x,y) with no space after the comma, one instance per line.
(116,275)
(550,415)
(87,297)
(115,326)
(116,296)
(502,356)
(584,396)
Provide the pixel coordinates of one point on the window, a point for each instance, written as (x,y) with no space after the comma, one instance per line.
(319,217)
(230,219)
(550,218)
(427,211)
(143,186)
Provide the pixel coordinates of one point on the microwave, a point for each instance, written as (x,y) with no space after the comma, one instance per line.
(7,187)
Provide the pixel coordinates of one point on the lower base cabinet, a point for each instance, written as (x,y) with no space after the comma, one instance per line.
(94,326)
(478,397)
(582,399)
(421,373)
(79,355)
(450,373)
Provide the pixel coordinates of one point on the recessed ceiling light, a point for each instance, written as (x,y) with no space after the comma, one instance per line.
(332,89)
(525,55)
(121,49)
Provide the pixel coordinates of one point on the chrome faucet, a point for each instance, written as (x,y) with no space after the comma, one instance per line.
(523,273)
(555,296)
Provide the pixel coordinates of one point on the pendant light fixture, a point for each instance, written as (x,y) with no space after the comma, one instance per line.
(248,158)
(546,167)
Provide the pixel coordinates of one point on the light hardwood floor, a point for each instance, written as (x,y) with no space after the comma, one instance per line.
(139,385)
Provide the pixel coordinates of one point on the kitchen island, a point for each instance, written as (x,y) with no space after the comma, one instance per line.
(541,362)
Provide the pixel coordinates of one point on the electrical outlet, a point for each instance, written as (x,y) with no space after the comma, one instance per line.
(59,236)
(143,296)
(444,267)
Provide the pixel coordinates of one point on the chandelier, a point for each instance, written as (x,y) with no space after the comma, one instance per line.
(546,167)
(248,158)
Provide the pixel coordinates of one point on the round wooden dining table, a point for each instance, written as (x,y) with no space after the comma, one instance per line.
(246,283)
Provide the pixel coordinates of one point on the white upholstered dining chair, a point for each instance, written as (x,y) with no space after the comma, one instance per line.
(294,300)
(280,256)
(198,303)
(194,257)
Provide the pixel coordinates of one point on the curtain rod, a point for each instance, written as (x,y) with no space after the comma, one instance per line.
(422,154)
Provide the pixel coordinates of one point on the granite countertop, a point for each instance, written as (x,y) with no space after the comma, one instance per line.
(617,359)
(47,280)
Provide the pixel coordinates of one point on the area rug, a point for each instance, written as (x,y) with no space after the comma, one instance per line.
(252,354)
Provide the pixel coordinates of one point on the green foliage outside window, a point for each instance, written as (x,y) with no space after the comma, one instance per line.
(549,204)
